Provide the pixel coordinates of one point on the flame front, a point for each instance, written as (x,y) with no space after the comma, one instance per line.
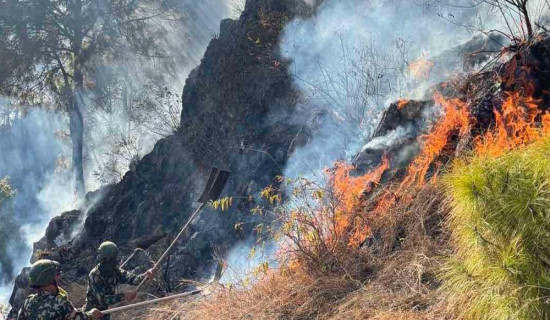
(515,125)
(349,191)
(420,68)
(454,121)
(518,121)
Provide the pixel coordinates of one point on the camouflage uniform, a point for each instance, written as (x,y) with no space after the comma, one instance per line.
(102,289)
(50,306)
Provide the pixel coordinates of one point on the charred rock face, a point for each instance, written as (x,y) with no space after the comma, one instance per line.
(396,134)
(20,291)
(526,72)
(59,230)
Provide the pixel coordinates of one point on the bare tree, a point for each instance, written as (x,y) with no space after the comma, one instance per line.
(522,19)
(511,11)
(357,87)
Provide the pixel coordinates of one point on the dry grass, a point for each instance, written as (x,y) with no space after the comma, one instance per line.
(412,243)
(401,260)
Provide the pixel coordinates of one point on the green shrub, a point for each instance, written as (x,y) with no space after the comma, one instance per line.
(10,235)
(500,228)
(6,192)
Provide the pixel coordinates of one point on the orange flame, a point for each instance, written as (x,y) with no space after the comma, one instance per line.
(515,125)
(420,68)
(349,191)
(401,103)
(518,122)
(456,118)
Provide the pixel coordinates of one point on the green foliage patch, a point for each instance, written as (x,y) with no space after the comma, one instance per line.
(10,236)
(500,227)
(6,191)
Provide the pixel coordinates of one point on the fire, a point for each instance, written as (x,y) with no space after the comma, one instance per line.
(518,121)
(456,120)
(515,125)
(348,191)
(344,215)
(420,68)
(401,103)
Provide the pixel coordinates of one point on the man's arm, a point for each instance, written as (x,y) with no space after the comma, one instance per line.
(130,278)
(70,313)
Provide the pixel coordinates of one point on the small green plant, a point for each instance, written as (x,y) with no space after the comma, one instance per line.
(500,228)
(222,204)
(6,191)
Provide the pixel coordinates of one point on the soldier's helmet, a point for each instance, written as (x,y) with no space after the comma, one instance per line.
(43,272)
(107,251)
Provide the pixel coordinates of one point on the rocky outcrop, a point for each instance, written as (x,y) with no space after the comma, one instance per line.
(396,135)
(525,71)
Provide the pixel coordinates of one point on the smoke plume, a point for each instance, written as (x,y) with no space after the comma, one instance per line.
(30,157)
(354,57)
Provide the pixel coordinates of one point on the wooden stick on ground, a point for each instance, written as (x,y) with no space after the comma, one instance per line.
(207,289)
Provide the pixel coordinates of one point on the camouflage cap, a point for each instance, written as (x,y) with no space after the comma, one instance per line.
(107,251)
(43,272)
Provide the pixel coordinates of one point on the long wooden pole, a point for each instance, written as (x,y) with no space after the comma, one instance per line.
(130,257)
(165,254)
(206,289)
(144,303)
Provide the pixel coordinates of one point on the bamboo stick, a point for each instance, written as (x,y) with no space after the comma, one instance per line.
(148,302)
(165,254)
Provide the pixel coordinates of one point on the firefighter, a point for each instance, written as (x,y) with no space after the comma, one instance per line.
(104,279)
(50,301)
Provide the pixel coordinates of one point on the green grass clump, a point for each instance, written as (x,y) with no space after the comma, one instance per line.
(500,227)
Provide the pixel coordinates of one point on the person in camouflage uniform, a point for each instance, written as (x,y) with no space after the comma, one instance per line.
(50,302)
(104,279)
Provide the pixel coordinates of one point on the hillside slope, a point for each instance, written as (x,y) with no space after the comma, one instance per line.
(459,233)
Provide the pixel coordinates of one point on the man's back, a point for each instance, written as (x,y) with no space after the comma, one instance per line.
(102,287)
(49,306)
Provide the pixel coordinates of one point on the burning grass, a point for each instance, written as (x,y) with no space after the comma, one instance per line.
(357,249)
(354,247)
(394,277)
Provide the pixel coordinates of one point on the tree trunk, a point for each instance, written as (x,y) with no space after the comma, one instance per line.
(77,138)
(527,20)
(77,110)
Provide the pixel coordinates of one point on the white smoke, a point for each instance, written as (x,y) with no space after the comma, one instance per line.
(246,260)
(116,137)
(31,154)
(393,137)
(352,59)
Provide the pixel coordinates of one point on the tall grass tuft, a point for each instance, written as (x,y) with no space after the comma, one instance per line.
(500,231)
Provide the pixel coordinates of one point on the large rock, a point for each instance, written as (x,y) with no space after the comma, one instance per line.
(396,134)
(525,71)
